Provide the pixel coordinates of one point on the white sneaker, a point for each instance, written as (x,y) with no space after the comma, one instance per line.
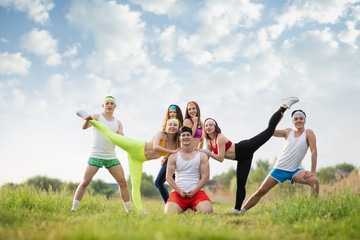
(82,114)
(235,211)
(129,211)
(144,212)
(289,101)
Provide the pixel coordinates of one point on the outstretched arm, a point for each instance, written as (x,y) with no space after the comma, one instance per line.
(221,142)
(284,133)
(87,124)
(156,144)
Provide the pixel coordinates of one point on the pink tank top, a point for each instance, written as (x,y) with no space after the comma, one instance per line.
(198,132)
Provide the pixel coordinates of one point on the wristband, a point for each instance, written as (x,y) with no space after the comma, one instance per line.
(207,151)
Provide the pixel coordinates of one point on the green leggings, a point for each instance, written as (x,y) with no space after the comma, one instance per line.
(136,157)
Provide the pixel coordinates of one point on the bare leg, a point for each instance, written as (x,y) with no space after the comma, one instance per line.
(117,172)
(88,175)
(172,207)
(204,207)
(265,187)
(313,182)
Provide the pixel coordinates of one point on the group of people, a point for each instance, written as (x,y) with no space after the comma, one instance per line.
(185,163)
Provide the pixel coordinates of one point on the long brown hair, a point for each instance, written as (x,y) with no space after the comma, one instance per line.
(217,128)
(176,135)
(179,116)
(187,116)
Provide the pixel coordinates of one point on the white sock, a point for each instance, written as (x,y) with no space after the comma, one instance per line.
(75,205)
(127,206)
(242,210)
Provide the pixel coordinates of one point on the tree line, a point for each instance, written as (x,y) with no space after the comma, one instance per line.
(226,180)
(48,184)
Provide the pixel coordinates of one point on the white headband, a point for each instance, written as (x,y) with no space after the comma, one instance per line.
(210,120)
(298,112)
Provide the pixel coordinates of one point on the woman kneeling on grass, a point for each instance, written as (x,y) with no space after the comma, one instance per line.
(163,143)
(287,167)
(174,111)
(219,147)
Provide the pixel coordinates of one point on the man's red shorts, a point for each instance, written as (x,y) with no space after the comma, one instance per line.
(186,203)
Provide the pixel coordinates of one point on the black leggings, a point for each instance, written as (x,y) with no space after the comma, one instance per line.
(244,152)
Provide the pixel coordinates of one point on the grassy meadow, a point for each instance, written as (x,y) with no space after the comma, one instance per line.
(27,213)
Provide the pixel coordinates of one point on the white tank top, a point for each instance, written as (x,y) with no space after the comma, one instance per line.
(102,147)
(187,172)
(293,153)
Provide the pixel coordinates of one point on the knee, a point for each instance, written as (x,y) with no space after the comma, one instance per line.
(122,183)
(204,207)
(208,209)
(260,192)
(171,207)
(85,183)
(157,182)
(314,181)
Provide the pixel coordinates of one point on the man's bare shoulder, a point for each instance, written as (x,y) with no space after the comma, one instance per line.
(204,156)
(172,157)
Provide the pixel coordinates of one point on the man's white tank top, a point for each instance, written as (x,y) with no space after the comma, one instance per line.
(187,172)
(293,153)
(102,147)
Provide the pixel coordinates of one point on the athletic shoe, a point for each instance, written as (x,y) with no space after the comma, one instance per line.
(82,114)
(130,211)
(289,101)
(235,211)
(144,212)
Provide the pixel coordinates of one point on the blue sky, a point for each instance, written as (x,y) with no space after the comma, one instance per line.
(236,58)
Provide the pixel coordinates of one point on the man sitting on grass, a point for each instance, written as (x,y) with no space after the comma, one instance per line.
(191,169)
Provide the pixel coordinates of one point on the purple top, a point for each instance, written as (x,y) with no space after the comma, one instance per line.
(198,132)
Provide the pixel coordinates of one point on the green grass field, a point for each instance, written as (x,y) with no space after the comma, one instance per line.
(27,213)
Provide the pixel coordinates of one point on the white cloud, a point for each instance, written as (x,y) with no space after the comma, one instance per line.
(37,10)
(169,7)
(256,44)
(72,51)
(7,88)
(224,16)
(167,43)
(199,57)
(41,43)
(228,49)
(18,98)
(355,12)
(350,35)
(75,63)
(319,67)
(220,22)
(55,86)
(299,12)
(14,64)
(38,107)
(4,40)
(119,38)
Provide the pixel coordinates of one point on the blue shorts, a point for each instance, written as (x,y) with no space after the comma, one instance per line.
(282,175)
(98,162)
